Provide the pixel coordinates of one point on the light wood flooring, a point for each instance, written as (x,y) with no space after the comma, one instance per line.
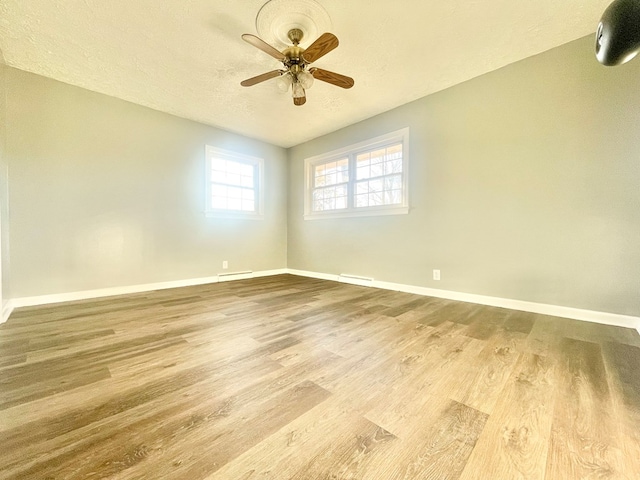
(288,377)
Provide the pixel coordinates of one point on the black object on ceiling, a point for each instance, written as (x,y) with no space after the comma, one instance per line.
(618,35)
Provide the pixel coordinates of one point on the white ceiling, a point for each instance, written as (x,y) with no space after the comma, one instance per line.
(186,57)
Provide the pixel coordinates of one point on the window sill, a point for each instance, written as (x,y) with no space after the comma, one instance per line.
(369,212)
(235,215)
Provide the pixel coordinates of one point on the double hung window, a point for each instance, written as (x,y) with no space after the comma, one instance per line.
(369,178)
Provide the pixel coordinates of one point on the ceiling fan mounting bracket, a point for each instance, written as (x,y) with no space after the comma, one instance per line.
(295,35)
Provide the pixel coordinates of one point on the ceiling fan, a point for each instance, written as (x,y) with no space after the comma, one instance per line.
(296,60)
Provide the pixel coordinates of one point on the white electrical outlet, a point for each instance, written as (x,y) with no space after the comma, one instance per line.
(225,264)
(436,274)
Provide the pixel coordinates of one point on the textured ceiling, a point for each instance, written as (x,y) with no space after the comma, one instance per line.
(187,58)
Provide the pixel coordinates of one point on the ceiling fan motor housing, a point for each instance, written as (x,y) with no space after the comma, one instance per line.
(294,55)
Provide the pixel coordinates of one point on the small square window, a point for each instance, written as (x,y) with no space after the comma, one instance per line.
(234,184)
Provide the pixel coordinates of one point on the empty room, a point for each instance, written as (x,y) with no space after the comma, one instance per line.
(316,239)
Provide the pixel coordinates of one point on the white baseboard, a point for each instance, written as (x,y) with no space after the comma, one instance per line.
(109,292)
(545,309)
(6,311)
(319,276)
(553,310)
(230,276)
(269,273)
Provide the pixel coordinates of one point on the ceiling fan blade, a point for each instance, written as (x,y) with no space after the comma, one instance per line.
(260,78)
(323,45)
(264,46)
(332,78)
(299,100)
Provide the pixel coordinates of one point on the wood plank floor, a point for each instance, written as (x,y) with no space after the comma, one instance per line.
(288,377)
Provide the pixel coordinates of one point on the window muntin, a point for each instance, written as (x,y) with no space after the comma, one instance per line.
(234,183)
(379,177)
(330,185)
(365,179)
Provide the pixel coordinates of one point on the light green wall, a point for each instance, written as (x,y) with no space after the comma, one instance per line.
(525,184)
(106,193)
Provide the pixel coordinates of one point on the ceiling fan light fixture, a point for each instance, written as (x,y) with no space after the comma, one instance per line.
(298,90)
(284,81)
(306,80)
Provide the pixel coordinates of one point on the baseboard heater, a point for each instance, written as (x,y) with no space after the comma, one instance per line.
(356,280)
(227,277)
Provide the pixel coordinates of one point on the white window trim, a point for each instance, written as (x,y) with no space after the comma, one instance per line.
(210,153)
(401,135)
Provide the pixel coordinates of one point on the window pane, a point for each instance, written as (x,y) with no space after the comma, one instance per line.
(362,200)
(377,169)
(363,172)
(376,185)
(248,194)
(234,179)
(394,152)
(233,185)
(363,159)
(322,169)
(234,204)
(235,168)
(393,166)
(246,181)
(331,173)
(219,202)
(219,164)
(234,192)
(218,176)
(377,156)
(393,182)
(329,198)
(219,190)
(320,181)
(343,170)
(376,199)
(383,190)
(393,197)
(377,191)
(246,170)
